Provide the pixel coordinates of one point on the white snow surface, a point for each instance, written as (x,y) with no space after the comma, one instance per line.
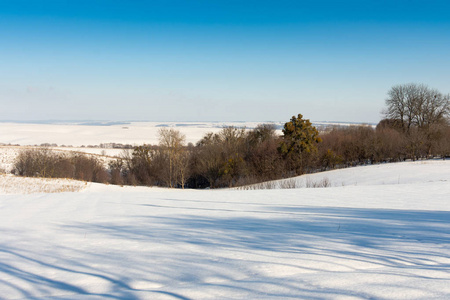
(384,234)
(133,133)
(10,184)
(379,174)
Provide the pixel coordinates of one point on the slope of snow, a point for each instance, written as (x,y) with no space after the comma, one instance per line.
(364,241)
(380,174)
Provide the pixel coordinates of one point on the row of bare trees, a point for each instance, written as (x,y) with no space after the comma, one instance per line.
(415,126)
(421,114)
(416,106)
(166,164)
(349,146)
(228,158)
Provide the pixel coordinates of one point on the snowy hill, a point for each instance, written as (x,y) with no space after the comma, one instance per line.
(379,232)
(380,174)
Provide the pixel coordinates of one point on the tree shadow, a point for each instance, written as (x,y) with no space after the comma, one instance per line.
(30,283)
(184,253)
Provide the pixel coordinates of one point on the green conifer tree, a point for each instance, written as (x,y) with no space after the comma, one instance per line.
(300,139)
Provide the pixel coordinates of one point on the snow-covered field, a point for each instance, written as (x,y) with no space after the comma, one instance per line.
(72,136)
(380,232)
(379,174)
(133,133)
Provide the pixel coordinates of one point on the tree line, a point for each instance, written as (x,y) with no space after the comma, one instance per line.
(415,126)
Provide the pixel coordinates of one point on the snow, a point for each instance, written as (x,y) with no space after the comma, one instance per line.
(133,133)
(7,158)
(10,184)
(379,174)
(374,237)
(72,136)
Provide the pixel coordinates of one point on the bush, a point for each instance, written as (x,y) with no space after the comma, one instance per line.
(43,162)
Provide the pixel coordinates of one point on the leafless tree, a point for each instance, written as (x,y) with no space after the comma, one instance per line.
(264,160)
(172,142)
(183,166)
(416,105)
(208,158)
(420,112)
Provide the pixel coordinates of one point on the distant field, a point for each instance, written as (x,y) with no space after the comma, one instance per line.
(134,133)
(71,136)
(76,135)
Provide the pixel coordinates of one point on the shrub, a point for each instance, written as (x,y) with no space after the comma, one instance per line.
(43,162)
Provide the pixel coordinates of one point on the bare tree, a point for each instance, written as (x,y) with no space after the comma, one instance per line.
(171,142)
(183,166)
(264,160)
(208,159)
(416,105)
(232,141)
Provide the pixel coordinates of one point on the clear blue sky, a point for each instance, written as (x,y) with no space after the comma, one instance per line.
(216,60)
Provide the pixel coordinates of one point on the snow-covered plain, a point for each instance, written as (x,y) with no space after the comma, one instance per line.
(383,234)
(87,137)
(134,133)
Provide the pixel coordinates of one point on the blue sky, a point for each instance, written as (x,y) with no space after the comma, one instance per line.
(216,60)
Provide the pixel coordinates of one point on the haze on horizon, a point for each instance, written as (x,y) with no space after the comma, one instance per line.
(216,60)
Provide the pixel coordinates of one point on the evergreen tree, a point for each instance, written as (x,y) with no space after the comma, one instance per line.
(300,139)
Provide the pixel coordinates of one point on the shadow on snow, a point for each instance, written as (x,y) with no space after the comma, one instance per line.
(390,238)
